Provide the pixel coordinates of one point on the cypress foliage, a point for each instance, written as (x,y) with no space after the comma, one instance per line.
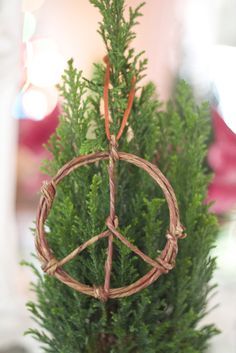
(165,316)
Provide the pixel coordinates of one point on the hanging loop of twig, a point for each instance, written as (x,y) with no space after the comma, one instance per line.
(106,102)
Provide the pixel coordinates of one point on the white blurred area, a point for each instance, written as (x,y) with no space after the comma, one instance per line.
(209,57)
(209,48)
(195,39)
(12,311)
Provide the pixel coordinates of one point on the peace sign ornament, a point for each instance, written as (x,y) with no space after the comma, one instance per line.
(162,264)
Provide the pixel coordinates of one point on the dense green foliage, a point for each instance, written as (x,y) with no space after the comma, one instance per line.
(165,316)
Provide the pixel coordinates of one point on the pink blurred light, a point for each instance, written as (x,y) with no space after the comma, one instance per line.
(222,159)
(33,134)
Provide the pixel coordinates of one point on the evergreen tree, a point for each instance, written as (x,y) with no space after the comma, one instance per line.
(165,316)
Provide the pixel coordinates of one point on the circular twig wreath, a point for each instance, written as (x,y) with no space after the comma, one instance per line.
(162,264)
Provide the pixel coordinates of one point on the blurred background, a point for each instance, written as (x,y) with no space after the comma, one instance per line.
(191,39)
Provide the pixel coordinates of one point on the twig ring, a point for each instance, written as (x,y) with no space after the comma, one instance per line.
(162,264)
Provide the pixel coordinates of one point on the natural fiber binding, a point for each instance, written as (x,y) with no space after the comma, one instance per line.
(49,191)
(50,267)
(114,154)
(100,294)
